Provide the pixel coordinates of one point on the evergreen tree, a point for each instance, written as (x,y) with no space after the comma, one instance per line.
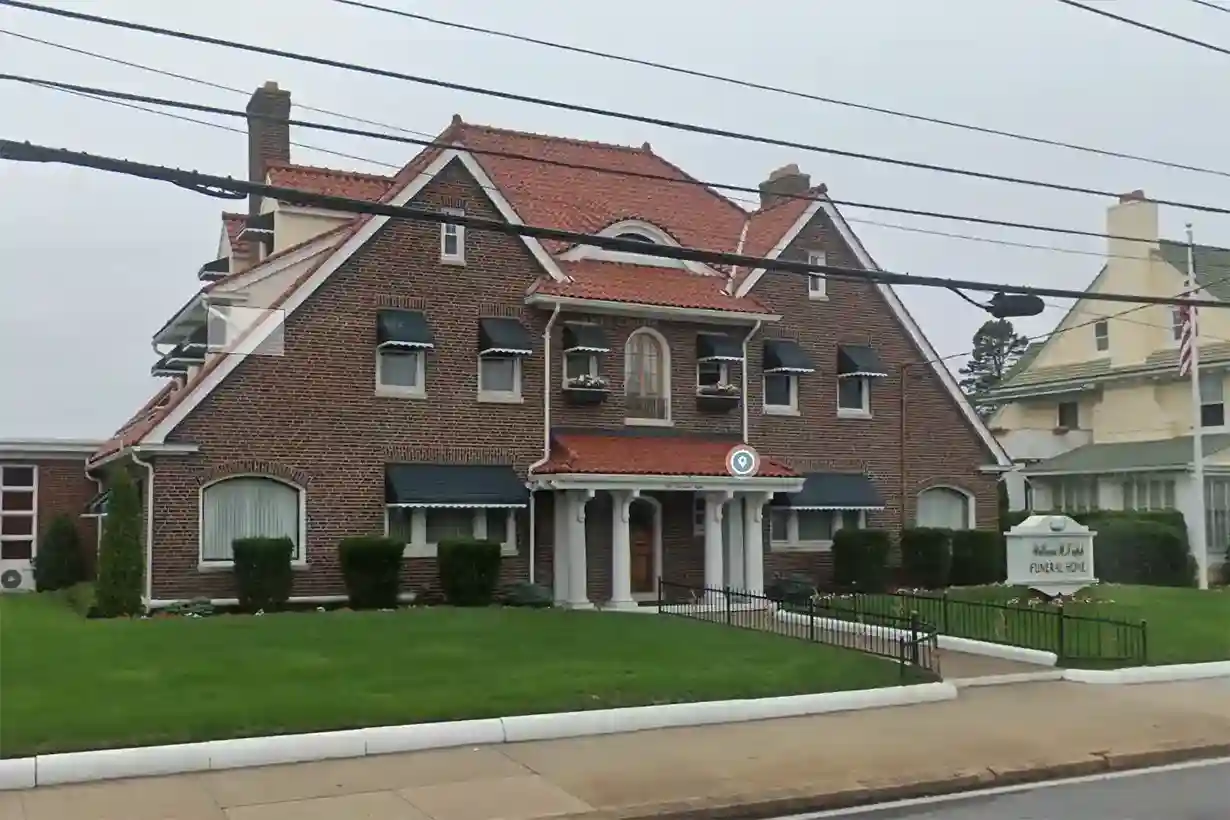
(121,560)
(997,346)
(60,562)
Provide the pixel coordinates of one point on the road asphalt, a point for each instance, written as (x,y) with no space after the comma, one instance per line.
(1187,792)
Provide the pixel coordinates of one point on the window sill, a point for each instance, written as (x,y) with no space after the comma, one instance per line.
(430,551)
(399,393)
(500,398)
(775,410)
(818,297)
(458,261)
(847,413)
(649,422)
(229,566)
(801,546)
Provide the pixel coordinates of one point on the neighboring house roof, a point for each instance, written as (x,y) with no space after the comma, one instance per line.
(646,285)
(527,192)
(1212,265)
(1026,359)
(599,454)
(1057,373)
(1171,453)
(328,181)
(234,224)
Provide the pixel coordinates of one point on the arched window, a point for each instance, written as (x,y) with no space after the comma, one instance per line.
(636,237)
(647,381)
(945,507)
(249,507)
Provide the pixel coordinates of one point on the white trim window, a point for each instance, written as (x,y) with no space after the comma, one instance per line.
(1212,400)
(401,371)
(647,378)
(421,529)
(1101,335)
(1148,492)
(854,396)
(945,508)
(250,506)
(580,365)
(1176,324)
(817,284)
(712,373)
(781,394)
(452,239)
(499,378)
(18,512)
(810,530)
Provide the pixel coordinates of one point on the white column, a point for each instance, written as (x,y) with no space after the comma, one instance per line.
(734,550)
(578,573)
(621,551)
(753,542)
(559,555)
(715,574)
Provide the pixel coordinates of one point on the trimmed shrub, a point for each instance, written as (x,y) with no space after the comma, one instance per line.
(1143,552)
(860,559)
(121,560)
(926,556)
(528,595)
(60,563)
(371,568)
(978,558)
(263,575)
(792,590)
(469,570)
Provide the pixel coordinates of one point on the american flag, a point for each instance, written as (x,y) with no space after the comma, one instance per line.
(1187,338)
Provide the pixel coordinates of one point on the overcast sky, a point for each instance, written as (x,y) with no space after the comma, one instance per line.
(91,264)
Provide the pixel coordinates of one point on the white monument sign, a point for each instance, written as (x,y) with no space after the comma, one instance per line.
(1050,553)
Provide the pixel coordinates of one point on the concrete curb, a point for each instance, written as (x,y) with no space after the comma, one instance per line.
(966,645)
(1008,679)
(1150,674)
(791,802)
(107,764)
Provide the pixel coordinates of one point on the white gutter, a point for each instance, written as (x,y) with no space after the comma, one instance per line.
(546,434)
(149,525)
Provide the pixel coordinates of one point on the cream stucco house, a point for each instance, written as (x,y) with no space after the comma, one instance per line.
(1097,415)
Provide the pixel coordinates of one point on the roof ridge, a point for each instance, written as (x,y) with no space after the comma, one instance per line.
(321,169)
(642,149)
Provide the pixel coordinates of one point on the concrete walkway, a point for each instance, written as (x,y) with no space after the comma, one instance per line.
(987,733)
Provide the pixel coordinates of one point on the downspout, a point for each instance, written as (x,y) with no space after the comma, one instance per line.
(98,522)
(149,524)
(546,434)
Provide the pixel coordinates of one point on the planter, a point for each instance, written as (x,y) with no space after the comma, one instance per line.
(585,396)
(716,402)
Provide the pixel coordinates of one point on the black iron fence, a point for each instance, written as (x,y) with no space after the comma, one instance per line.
(1074,637)
(906,638)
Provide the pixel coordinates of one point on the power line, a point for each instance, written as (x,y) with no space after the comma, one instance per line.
(103,94)
(1211,5)
(229,188)
(705,75)
(585,109)
(1173,35)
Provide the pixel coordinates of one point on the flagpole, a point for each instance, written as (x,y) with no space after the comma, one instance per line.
(1197,531)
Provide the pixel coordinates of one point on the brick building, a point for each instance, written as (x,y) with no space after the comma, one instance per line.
(339,375)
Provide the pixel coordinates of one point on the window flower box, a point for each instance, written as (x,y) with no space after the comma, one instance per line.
(586,390)
(717,398)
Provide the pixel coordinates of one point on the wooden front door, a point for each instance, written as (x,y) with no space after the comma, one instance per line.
(643,580)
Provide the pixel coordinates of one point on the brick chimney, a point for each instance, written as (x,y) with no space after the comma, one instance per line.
(782,184)
(268,139)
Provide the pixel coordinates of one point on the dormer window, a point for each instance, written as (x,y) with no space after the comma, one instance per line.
(642,233)
(1101,335)
(452,239)
(635,237)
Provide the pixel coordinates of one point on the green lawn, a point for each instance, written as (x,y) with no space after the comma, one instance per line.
(1183,625)
(67,683)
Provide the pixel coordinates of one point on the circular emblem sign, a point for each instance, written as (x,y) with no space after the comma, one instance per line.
(742,461)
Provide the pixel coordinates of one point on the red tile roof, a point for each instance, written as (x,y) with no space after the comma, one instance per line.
(335,233)
(141,423)
(599,454)
(646,285)
(234,224)
(328,181)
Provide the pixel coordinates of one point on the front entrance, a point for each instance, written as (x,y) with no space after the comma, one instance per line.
(642,529)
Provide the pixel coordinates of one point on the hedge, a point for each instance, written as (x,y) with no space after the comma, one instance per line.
(60,563)
(469,571)
(263,575)
(121,559)
(926,556)
(371,570)
(860,559)
(978,558)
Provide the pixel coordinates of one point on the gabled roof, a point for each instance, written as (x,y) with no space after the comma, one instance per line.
(647,285)
(1171,453)
(1212,265)
(328,181)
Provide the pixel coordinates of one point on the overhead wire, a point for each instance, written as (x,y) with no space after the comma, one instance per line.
(581,108)
(104,94)
(789,92)
(1140,24)
(1208,4)
(229,187)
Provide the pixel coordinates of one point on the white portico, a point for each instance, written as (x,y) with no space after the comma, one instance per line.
(645,511)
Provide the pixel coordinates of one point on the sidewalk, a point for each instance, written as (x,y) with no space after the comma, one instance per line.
(987,733)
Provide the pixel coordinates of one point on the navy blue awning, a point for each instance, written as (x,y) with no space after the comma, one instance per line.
(859,361)
(406,329)
(453,485)
(718,347)
(503,337)
(580,338)
(833,491)
(785,356)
